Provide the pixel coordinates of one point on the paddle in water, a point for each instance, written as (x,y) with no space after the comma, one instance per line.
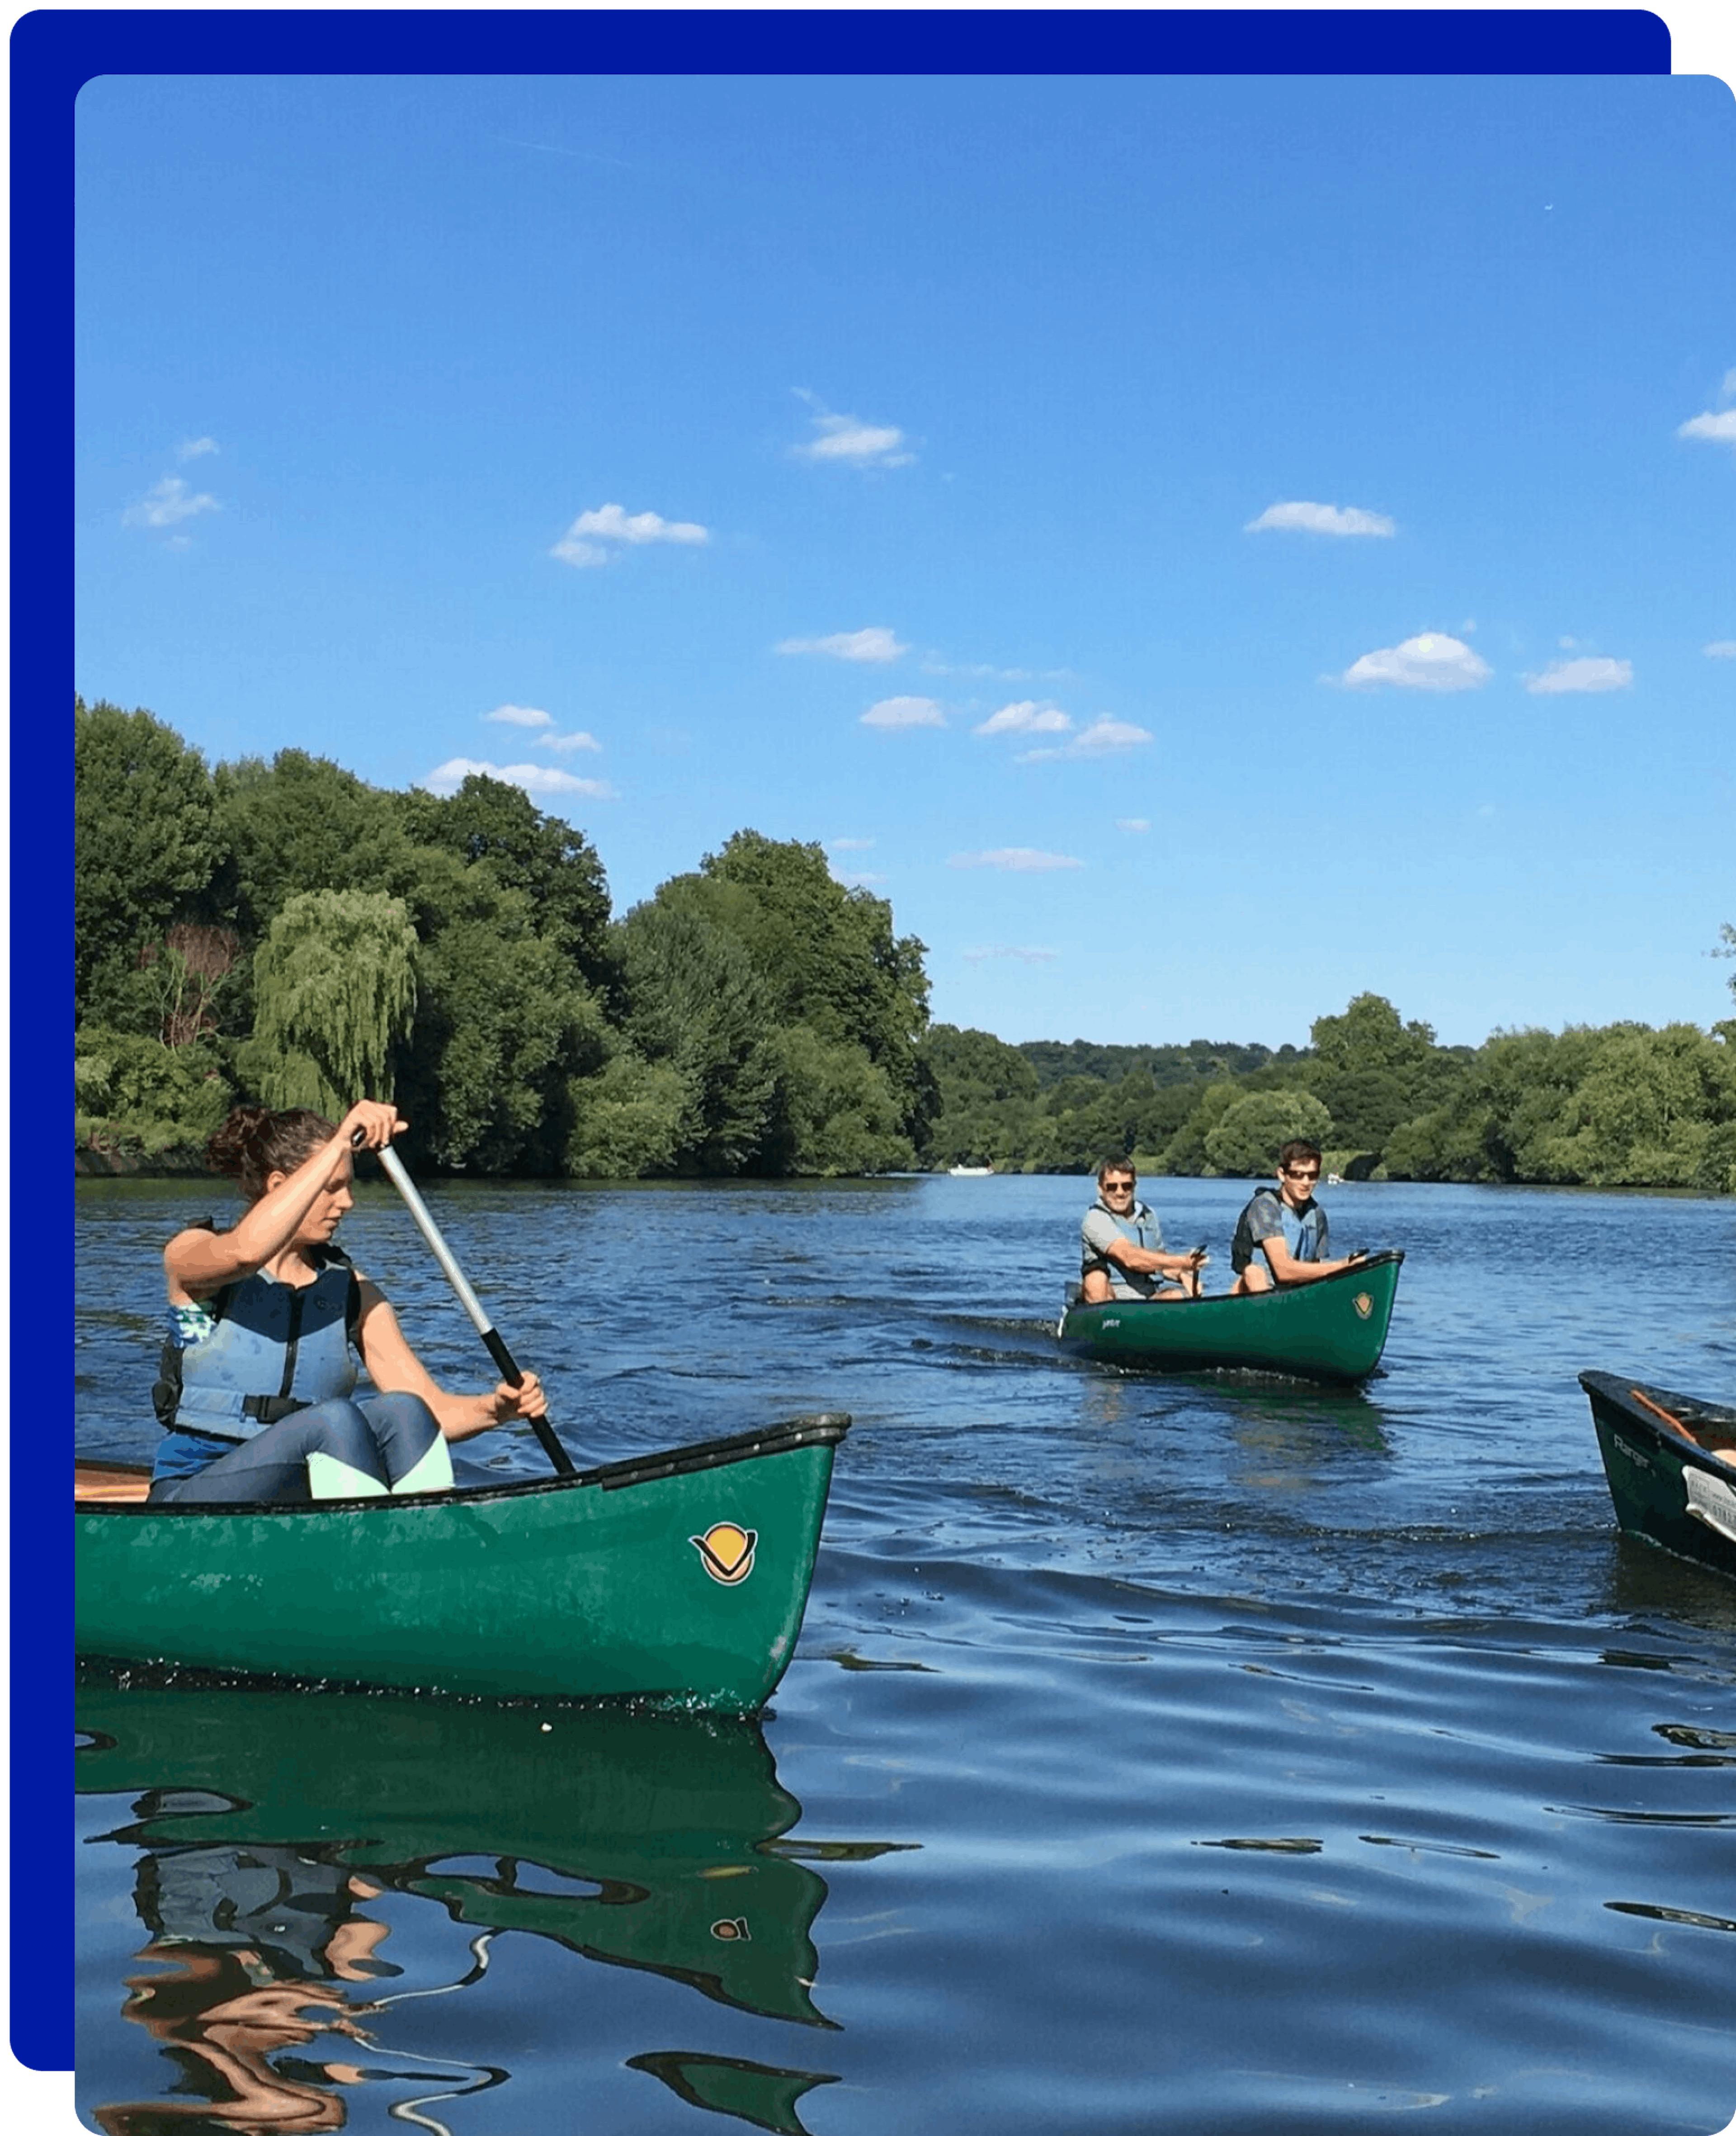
(503,1357)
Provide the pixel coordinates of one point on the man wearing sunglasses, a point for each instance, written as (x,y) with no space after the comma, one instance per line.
(1281,1235)
(1121,1246)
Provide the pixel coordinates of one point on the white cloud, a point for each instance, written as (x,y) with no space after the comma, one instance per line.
(1015,860)
(1024,956)
(875,643)
(520,715)
(534,778)
(847,441)
(857,882)
(194,448)
(1321,519)
(1102,738)
(167,505)
(581,544)
(1561,677)
(849,845)
(1720,648)
(1133,822)
(1431,662)
(1027,716)
(1721,428)
(564,744)
(905,712)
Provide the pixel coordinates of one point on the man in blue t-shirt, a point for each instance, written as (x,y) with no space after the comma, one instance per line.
(1281,1235)
(1121,1246)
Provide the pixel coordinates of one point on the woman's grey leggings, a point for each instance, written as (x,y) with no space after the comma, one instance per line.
(383,1436)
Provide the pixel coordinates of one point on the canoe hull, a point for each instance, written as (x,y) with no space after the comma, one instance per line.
(681,1579)
(1673,1495)
(1333,1330)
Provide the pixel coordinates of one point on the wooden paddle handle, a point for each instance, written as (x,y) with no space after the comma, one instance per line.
(1675,1423)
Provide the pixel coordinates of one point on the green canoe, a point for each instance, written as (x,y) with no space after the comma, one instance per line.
(1334,1329)
(1660,1455)
(678,1578)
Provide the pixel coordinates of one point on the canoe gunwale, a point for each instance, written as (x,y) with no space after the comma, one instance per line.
(823,1428)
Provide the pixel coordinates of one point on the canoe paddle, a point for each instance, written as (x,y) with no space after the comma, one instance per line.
(503,1357)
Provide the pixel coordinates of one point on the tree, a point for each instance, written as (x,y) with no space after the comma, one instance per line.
(698,1005)
(827,958)
(1246,1141)
(491,822)
(144,841)
(133,1092)
(336,988)
(298,824)
(1368,1069)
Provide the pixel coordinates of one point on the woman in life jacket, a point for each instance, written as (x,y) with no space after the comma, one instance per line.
(257,1396)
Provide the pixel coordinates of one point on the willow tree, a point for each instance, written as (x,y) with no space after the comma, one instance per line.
(335,990)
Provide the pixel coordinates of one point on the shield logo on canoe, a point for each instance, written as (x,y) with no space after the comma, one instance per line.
(726,1551)
(1363,1304)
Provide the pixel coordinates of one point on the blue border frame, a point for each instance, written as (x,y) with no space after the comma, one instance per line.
(53,55)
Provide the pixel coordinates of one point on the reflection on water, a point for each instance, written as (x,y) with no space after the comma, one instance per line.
(267,1830)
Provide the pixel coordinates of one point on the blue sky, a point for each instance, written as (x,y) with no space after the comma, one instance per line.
(1200,548)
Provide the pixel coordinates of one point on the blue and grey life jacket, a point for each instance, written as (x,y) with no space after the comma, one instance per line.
(1305,1230)
(275,1348)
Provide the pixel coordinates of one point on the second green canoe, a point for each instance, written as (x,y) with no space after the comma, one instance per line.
(1334,1329)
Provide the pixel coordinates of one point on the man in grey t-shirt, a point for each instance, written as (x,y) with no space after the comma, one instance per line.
(1121,1246)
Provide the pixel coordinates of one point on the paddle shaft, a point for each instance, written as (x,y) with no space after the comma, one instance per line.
(497,1350)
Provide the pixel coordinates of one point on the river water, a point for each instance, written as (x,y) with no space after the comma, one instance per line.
(1184,1754)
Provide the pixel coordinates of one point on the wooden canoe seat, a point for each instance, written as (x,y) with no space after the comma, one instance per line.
(115,1483)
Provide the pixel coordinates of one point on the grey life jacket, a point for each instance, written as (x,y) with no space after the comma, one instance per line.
(275,1349)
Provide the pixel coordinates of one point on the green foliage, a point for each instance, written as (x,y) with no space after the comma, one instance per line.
(1246,1141)
(827,959)
(839,1115)
(336,988)
(133,1093)
(987,1096)
(699,1006)
(144,845)
(491,824)
(627,1120)
(298,825)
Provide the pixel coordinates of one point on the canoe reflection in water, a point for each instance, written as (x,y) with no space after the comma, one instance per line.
(269,1824)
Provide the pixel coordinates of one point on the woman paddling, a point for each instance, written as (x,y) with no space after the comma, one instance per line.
(257,1393)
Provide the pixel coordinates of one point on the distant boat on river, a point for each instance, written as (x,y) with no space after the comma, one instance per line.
(970,1171)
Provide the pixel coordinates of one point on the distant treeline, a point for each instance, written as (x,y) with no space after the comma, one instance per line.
(1621,1106)
(282,931)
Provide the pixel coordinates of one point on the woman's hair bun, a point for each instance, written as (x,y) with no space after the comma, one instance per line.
(254,1142)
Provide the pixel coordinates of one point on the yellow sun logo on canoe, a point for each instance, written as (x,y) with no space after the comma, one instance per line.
(726,1551)
(1363,1304)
